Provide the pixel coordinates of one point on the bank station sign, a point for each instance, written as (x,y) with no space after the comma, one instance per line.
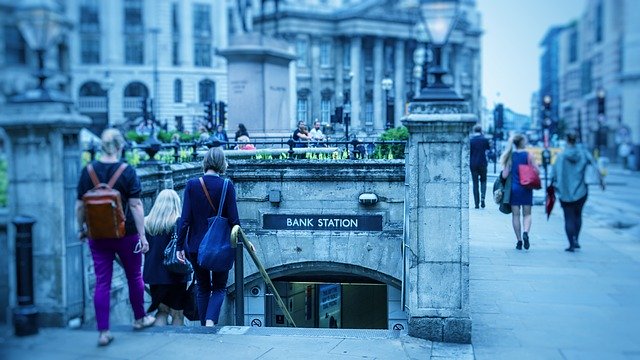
(322,222)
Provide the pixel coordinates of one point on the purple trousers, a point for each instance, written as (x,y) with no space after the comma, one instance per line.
(104,252)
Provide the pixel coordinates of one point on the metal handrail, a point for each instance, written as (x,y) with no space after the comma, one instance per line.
(238,238)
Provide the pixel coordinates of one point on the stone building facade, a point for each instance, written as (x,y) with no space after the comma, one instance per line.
(346,48)
(596,62)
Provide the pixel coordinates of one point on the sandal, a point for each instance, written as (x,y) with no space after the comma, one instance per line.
(104,339)
(145,322)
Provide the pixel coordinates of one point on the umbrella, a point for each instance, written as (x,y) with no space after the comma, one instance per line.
(550,200)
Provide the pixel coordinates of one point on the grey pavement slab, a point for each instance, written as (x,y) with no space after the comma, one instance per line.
(546,303)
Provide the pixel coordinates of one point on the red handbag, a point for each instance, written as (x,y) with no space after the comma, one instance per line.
(529,178)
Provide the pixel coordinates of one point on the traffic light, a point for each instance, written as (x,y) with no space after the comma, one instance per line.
(208,114)
(145,109)
(498,121)
(222,113)
(546,114)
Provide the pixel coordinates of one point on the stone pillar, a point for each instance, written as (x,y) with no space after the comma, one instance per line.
(437,275)
(378,97)
(44,167)
(339,47)
(316,90)
(398,82)
(356,96)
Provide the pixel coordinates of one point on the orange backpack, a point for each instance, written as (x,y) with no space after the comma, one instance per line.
(103,211)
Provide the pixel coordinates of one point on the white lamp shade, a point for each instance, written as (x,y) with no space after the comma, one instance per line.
(387,84)
(439,17)
(40,23)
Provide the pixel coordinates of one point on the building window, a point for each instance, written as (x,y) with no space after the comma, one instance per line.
(231,21)
(302,109)
(325,111)
(179,122)
(325,53)
(346,56)
(134,32)
(177,91)
(133,22)
(586,80)
(202,53)
(599,21)
(175,35)
(368,112)
(207,90)
(90,48)
(573,46)
(89,16)
(134,50)
(15,48)
(302,49)
(202,35)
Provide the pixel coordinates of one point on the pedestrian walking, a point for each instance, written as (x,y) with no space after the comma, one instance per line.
(520,198)
(478,146)
(168,289)
(196,210)
(568,179)
(131,240)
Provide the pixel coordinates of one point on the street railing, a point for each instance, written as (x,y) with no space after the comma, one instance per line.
(177,152)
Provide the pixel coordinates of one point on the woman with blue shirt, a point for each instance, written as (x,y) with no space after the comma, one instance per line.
(196,211)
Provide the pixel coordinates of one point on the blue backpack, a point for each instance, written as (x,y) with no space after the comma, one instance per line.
(215,252)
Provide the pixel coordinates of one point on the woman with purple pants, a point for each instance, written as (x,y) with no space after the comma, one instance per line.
(128,248)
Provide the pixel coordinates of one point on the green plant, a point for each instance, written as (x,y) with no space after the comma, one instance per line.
(395,151)
(132,135)
(4,183)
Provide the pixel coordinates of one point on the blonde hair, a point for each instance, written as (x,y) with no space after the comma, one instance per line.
(112,141)
(517,140)
(215,160)
(164,213)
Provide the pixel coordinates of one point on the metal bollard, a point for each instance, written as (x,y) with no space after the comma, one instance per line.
(25,315)
(239,280)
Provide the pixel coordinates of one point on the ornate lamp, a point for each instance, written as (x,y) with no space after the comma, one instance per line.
(42,24)
(439,18)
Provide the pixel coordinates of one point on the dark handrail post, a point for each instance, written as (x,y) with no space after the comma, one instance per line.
(194,153)
(291,143)
(176,151)
(25,315)
(239,282)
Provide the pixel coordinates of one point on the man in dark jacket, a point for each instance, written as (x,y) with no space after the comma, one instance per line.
(478,162)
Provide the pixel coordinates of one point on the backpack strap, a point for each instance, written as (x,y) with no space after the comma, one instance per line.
(92,175)
(206,193)
(223,196)
(116,175)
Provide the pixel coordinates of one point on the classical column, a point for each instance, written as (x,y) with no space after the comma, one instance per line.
(186,34)
(378,98)
(398,82)
(356,95)
(339,47)
(316,90)
(112,32)
(437,174)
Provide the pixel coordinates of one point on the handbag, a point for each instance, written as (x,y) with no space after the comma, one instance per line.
(529,178)
(190,306)
(171,261)
(215,252)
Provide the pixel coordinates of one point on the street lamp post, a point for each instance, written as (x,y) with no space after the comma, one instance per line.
(601,134)
(387,85)
(41,23)
(546,136)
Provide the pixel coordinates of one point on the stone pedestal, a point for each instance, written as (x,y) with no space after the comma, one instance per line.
(259,86)
(437,197)
(44,165)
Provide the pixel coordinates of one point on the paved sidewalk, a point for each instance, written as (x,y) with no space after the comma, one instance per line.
(546,303)
(229,343)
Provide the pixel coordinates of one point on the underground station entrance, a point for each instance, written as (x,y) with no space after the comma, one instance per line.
(331,302)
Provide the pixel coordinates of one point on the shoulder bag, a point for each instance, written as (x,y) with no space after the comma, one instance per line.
(215,252)
(171,261)
(529,178)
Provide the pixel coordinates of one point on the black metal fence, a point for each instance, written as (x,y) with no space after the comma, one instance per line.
(177,152)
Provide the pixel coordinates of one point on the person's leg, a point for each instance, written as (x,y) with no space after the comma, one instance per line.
(103,257)
(476,195)
(217,296)
(578,217)
(483,185)
(203,287)
(132,263)
(515,220)
(526,223)
(162,315)
(569,209)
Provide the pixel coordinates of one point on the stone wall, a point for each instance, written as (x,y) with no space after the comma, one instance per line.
(306,187)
